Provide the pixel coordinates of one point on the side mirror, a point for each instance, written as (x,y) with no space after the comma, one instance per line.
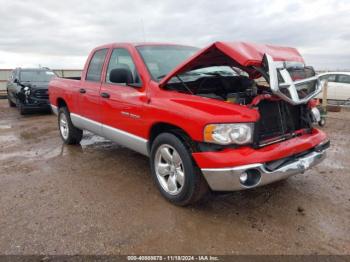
(121,75)
(16,81)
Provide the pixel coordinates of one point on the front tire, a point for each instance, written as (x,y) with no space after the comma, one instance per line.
(11,104)
(322,122)
(21,109)
(69,133)
(176,175)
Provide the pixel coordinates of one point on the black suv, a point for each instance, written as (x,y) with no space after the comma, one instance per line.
(28,89)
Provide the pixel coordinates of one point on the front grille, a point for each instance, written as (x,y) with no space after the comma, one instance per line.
(41,94)
(279,120)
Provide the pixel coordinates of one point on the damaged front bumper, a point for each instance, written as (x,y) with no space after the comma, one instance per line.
(254,175)
(35,104)
(246,167)
(33,99)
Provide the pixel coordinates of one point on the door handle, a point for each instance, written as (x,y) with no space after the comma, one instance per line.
(105,95)
(82,91)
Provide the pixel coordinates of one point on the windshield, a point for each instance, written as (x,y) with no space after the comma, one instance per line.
(161,59)
(36,75)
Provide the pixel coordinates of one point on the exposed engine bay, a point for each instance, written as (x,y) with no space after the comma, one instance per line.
(279,119)
(234,89)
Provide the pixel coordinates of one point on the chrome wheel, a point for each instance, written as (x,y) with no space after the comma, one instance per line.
(64,129)
(169,169)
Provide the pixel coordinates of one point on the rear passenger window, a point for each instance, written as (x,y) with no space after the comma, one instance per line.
(95,67)
(344,79)
(332,78)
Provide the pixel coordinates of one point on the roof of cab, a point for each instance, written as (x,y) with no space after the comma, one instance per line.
(136,44)
(242,54)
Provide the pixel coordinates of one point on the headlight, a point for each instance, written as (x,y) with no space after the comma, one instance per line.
(225,134)
(26,90)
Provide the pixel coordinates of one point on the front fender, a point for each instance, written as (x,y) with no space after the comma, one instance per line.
(192,113)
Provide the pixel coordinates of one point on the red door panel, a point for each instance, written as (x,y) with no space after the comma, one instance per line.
(89,92)
(89,100)
(124,108)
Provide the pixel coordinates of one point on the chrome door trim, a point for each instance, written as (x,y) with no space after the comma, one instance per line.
(126,139)
(119,136)
(86,123)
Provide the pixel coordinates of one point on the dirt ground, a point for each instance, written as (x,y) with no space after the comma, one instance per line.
(98,198)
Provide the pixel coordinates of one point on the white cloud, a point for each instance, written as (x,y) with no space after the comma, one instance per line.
(61,33)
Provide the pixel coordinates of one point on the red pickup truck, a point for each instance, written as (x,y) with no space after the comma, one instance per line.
(228,117)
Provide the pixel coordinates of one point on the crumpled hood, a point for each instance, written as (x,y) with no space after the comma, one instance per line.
(240,54)
(210,110)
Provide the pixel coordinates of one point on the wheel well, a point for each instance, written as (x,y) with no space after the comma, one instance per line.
(159,128)
(61,103)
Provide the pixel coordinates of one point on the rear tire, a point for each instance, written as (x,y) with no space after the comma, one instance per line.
(175,173)
(69,133)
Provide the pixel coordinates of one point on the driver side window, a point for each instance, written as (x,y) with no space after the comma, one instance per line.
(121,59)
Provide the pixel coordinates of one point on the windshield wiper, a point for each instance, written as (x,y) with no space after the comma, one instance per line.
(184,84)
